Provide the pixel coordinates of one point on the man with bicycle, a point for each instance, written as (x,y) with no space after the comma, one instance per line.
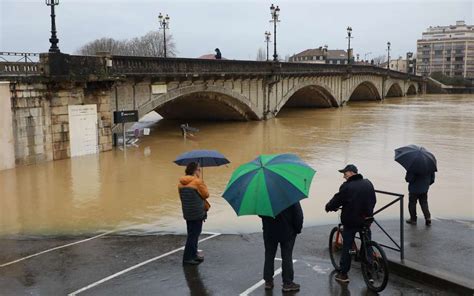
(357,198)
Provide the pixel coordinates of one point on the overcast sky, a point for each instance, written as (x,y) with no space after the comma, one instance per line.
(236,27)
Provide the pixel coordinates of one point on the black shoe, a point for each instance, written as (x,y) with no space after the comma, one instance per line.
(428,222)
(268,285)
(411,222)
(341,277)
(191,262)
(199,258)
(291,287)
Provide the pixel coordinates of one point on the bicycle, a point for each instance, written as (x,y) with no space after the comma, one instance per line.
(374,267)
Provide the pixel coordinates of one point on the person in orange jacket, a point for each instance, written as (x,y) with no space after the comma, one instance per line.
(194,180)
(193,194)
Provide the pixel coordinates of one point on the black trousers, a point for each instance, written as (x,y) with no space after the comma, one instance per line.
(194,230)
(423,198)
(286,248)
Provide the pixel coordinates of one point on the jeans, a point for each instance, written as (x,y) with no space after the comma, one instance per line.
(286,247)
(423,198)
(348,236)
(194,230)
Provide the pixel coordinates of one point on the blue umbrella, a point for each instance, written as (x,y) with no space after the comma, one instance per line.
(416,159)
(206,158)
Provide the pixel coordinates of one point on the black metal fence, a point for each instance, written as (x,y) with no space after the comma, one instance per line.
(398,247)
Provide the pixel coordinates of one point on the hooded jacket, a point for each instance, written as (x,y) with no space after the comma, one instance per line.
(285,225)
(357,198)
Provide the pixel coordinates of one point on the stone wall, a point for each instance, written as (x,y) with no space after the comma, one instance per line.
(7,143)
(41,120)
(31,123)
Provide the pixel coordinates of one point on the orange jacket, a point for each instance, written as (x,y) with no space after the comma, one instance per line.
(198,184)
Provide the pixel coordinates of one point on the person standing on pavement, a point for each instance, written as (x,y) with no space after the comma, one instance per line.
(357,198)
(193,194)
(281,230)
(418,186)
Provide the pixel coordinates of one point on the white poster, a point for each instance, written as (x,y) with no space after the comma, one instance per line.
(83,129)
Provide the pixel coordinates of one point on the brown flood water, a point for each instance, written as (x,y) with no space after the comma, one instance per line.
(136,191)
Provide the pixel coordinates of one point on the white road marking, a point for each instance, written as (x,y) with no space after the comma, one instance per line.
(55,248)
(134,267)
(257,285)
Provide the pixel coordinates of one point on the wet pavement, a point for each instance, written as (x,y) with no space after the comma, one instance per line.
(151,265)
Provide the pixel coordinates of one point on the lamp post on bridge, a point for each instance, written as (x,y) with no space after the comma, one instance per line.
(267,40)
(54,39)
(388,54)
(275,12)
(349,33)
(164,24)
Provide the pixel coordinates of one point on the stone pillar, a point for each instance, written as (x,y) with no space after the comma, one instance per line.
(7,144)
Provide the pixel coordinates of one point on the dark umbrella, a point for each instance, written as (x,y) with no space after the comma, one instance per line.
(205,158)
(416,159)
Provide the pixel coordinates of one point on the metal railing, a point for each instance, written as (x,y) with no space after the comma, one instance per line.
(15,63)
(399,247)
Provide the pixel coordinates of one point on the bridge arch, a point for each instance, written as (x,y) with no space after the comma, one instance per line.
(394,90)
(308,94)
(201,102)
(412,90)
(364,91)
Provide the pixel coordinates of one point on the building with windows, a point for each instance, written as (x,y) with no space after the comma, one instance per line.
(399,64)
(321,55)
(447,49)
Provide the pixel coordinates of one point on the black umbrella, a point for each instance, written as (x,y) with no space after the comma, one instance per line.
(416,159)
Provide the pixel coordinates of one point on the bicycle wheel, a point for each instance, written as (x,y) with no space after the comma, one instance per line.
(375,267)
(335,247)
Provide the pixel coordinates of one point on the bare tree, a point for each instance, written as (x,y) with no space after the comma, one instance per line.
(261,55)
(149,45)
(378,60)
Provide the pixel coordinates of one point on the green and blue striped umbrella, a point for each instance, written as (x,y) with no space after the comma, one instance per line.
(268,184)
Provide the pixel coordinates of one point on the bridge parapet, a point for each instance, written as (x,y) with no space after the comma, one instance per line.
(19,68)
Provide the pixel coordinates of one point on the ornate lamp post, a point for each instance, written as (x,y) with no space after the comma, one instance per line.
(388,54)
(164,24)
(275,12)
(267,40)
(54,40)
(349,33)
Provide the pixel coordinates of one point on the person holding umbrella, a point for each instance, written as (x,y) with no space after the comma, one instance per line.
(271,186)
(193,194)
(421,167)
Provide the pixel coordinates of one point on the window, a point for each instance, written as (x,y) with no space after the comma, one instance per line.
(438,52)
(330,62)
(459,59)
(448,59)
(321,58)
(338,62)
(448,51)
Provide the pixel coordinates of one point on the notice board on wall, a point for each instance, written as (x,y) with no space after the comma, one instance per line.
(83,129)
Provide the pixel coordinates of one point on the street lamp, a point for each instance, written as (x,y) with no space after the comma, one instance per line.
(349,33)
(388,55)
(54,40)
(267,40)
(275,12)
(164,24)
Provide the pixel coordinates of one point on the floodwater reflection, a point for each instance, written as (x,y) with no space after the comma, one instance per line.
(137,189)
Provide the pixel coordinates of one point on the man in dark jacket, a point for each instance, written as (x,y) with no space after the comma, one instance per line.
(357,198)
(281,230)
(418,186)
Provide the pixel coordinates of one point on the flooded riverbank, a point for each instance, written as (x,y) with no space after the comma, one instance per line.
(137,189)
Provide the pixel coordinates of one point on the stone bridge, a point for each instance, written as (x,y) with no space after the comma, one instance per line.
(34,97)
